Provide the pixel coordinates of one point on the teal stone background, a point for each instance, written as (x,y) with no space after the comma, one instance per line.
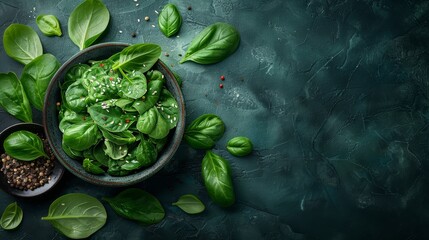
(334,95)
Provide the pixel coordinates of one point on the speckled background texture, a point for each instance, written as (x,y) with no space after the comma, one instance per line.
(334,95)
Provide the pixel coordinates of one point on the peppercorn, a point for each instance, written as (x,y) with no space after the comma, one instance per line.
(189,8)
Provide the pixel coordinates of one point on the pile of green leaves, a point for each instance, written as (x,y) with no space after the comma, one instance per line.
(116,114)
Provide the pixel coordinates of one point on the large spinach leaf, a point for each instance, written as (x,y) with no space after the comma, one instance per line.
(169,20)
(213,44)
(134,86)
(81,136)
(22,43)
(87,22)
(217,179)
(138,57)
(13,98)
(110,117)
(36,77)
(11,217)
(76,96)
(204,131)
(49,25)
(76,215)
(138,205)
(24,145)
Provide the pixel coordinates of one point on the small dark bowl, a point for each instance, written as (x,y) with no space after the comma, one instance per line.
(56,174)
(54,135)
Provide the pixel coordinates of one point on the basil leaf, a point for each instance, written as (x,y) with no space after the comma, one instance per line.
(11,217)
(204,131)
(36,77)
(13,98)
(24,145)
(138,57)
(239,146)
(217,179)
(81,136)
(138,205)
(49,25)
(190,204)
(213,44)
(87,22)
(76,215)
(92,167)
(22,43)
(169,20)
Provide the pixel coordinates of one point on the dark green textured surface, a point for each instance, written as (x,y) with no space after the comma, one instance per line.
(333,94)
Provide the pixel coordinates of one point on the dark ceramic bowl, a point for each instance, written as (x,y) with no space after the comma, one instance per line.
(54,135)
(56,174)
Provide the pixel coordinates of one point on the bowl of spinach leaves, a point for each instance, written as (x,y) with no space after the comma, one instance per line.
(114,113)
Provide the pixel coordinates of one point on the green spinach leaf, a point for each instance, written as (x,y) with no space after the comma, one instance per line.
(153,123)
(87,22)
(119,138)
(76,215)
(213,44)
(36,77)
(109,117)
(169,20)
(92,166)
(190,204)
(217,179)
(76,96)
(22,43)
(81,136)
(204,131)
(239,146)
(49,25)
(138,57)
(150,98)
(13,98)
(24,145)
(143,156)
(11,217)
(138,205)
(135,87)
(115,151)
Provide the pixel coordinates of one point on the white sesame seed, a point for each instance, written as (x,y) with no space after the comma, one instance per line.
(138,20)
(120,31)
(153,25)
(137,4)
(174,118)
(156,12)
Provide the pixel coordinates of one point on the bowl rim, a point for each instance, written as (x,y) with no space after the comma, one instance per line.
(119,181)
(58,169)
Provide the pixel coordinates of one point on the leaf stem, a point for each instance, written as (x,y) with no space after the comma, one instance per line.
(124,75)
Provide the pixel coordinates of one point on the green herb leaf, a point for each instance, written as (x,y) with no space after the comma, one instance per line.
(138,205)
(213,44)
(217,179)
(204,131)
(24,145)
(36,77)
(135,87)
(239,146)
(138,57)
(49,25)
(92,166)
(115,151)
(11,217)
(13,98)
(76,215)
(111,118)
(190,204)
(143,156)
(22,43)
(81,136)
(169,20)
(87,22)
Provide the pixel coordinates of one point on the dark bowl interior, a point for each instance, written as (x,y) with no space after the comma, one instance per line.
(54,135)
(57,172)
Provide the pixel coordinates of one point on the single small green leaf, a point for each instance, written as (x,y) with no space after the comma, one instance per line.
(76,215)
(115,151)
(91,166)
(22,43)
(239,146)
(190,204)
(204,131)
(213,44)
(13,98)
(36,77)
(217,179)
(136,204)
(140,57)
(11,217)
(81,136)
(87,22)
(24,145)
(169,20)
(49,25)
